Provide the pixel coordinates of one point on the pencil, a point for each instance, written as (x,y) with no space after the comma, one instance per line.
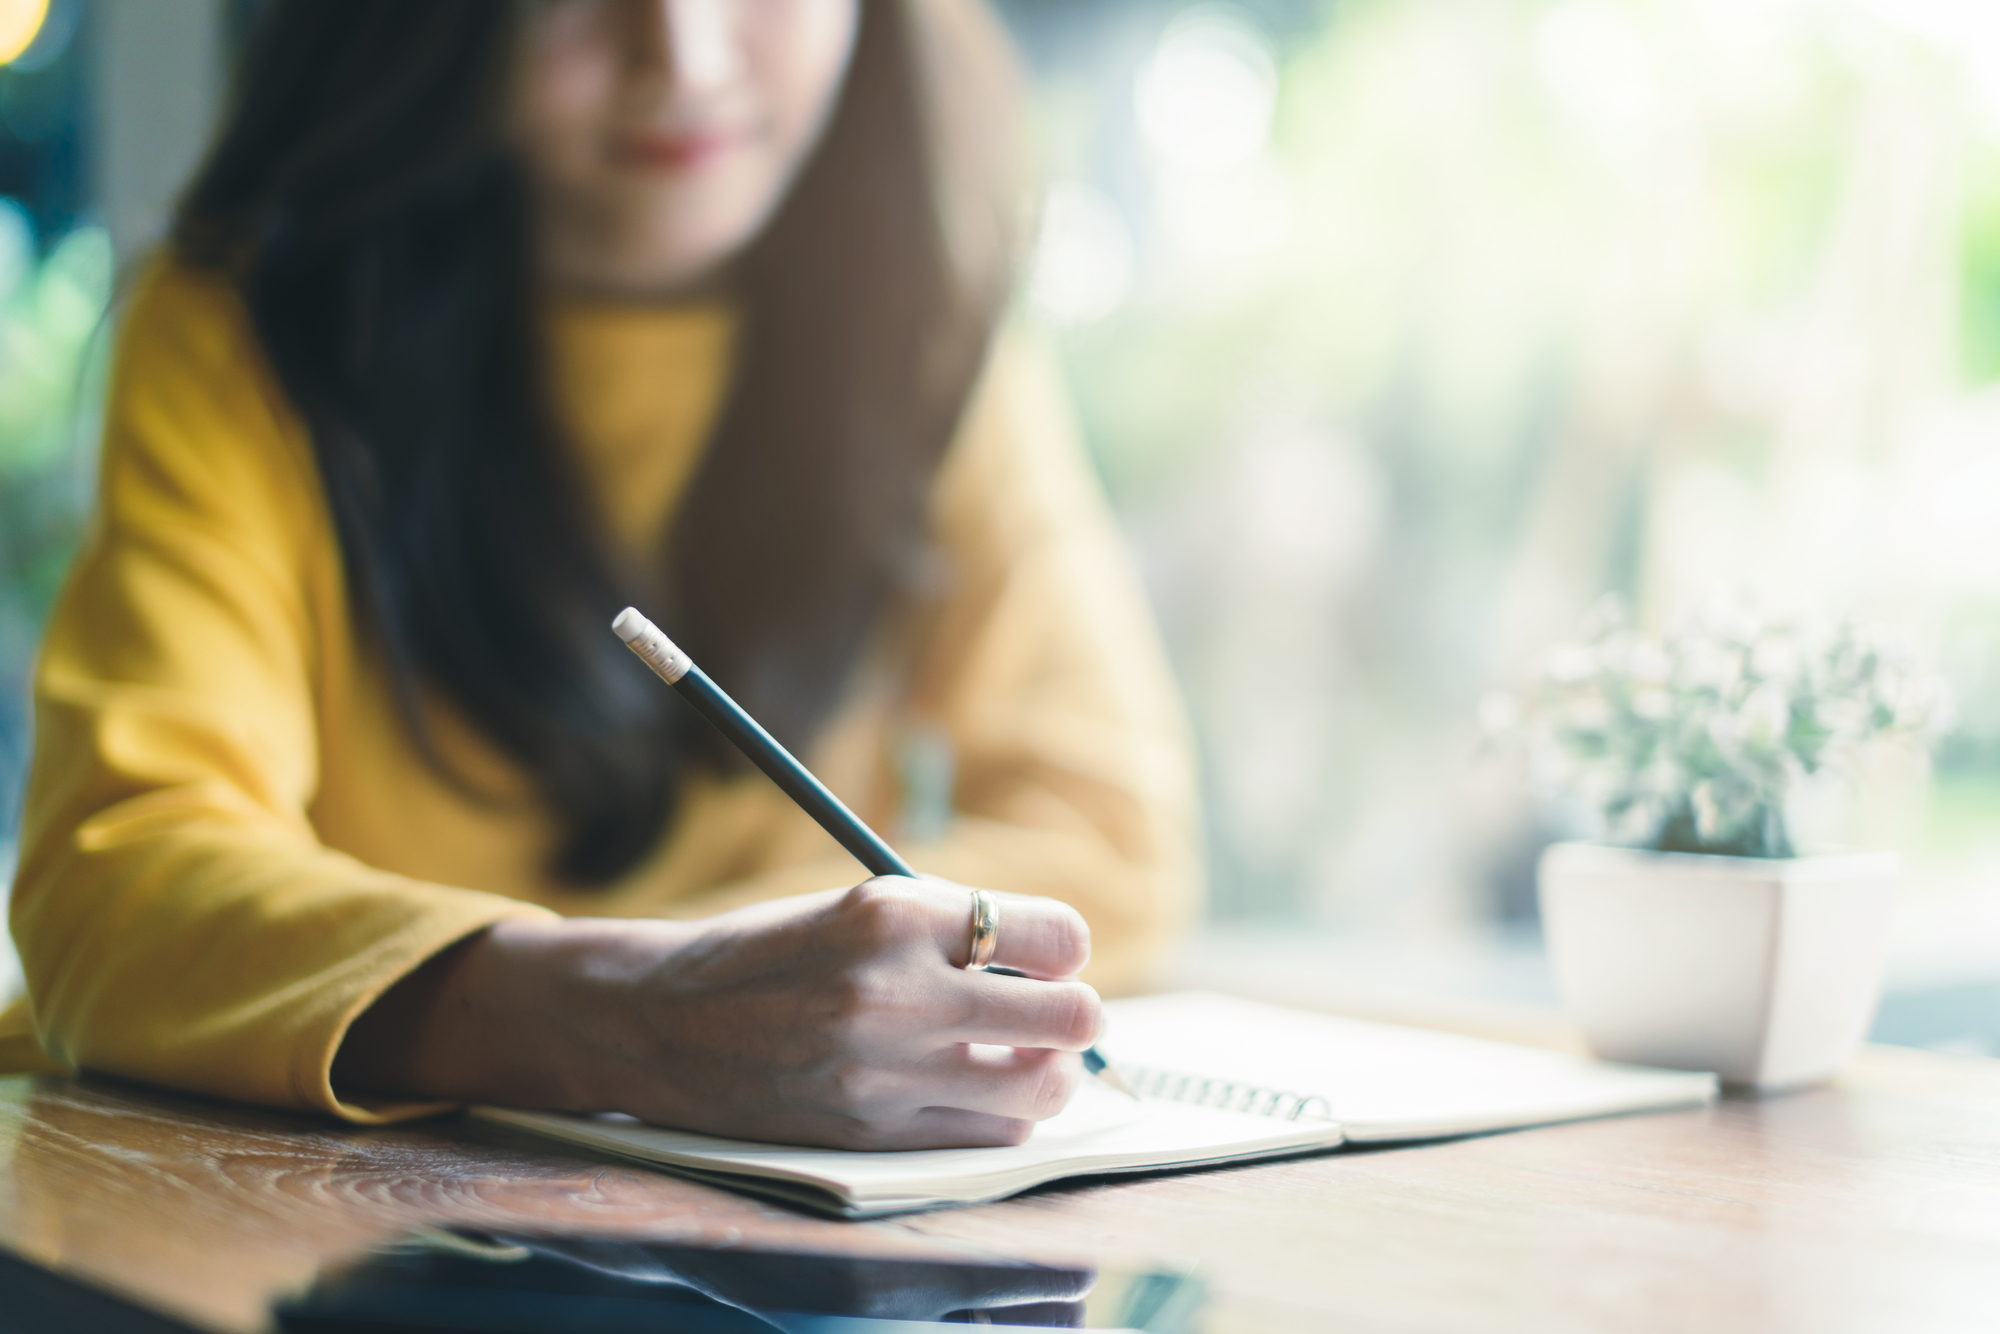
(794,779)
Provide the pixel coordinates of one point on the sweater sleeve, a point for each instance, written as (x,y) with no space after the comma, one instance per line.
(178,920)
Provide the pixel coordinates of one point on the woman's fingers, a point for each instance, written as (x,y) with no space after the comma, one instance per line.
(1023,1085)
(1040,937)
(1024,1012)
(955,1128)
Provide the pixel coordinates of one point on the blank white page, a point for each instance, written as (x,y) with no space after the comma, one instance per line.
(1383,1081)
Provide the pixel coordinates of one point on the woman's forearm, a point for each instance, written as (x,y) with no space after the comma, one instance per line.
(518,1013)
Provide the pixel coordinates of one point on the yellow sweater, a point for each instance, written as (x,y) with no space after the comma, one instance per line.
(231,847)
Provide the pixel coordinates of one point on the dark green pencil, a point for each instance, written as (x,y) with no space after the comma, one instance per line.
(762,749)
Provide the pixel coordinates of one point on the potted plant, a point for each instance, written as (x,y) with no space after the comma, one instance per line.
(1692,933)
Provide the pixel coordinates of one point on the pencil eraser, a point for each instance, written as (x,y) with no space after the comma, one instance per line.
(655,649)
(629,624)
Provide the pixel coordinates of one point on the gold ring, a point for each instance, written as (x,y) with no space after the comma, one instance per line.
(985,929)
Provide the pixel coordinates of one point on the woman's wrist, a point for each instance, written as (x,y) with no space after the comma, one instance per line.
(520,1013)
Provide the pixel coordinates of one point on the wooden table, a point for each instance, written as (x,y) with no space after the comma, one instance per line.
(1870,1205)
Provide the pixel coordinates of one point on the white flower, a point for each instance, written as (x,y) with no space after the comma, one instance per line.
(1648,663)
(1777,657)
(1660,782)
(1715,725)
(1766,716)
(1652,703)
(1702,662)
(1842,718)
(1569,663)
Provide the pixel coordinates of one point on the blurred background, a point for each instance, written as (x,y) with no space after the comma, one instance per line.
(1401,331)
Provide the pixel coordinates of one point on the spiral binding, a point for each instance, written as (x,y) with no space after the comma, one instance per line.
(1203,1091)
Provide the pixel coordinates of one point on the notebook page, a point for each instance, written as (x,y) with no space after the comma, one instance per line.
(1383,1081)
(1100,1131)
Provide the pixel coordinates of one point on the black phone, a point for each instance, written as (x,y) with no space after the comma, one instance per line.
(464,1280)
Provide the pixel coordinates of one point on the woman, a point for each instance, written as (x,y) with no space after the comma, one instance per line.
(480,322)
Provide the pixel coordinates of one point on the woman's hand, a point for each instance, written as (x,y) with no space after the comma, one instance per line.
(843,1018)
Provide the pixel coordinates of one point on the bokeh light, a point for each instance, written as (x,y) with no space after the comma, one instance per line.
(1206,98)
(20,21)
(1083,255)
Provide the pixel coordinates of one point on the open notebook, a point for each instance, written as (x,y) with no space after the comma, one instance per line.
(1226,1080)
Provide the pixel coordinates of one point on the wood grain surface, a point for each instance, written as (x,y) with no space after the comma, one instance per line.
(1870,1205)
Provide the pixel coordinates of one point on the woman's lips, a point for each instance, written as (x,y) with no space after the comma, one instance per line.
(677,150)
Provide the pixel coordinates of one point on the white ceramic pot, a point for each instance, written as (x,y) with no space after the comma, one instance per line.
(1766,971)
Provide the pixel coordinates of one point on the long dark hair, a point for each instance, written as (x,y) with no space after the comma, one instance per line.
(363,199)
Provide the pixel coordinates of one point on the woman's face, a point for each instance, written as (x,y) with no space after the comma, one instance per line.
(660,134)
